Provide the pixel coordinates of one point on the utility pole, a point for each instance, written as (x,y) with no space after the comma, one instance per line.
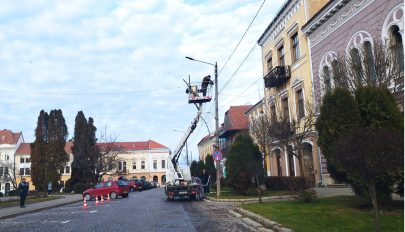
(217,130)
(217,162)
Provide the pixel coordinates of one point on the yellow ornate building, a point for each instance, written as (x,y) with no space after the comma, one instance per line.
(288,83)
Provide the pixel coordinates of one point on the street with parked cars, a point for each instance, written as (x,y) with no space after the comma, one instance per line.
(140,211)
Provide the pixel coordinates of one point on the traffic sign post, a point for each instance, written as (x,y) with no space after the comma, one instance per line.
(217,156)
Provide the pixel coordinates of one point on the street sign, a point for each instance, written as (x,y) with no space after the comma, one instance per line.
(217,156)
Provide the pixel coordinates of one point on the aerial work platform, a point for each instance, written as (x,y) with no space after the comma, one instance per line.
(196,96)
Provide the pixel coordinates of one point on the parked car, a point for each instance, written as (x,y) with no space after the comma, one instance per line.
(155,184)
(135,185)
(146,184)
(112,188)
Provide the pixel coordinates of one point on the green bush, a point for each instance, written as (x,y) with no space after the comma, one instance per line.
(307,195)
(79,188)
(287,183)
(251,191)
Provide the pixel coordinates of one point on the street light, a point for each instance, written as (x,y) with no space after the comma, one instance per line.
(186,145)
(216,120)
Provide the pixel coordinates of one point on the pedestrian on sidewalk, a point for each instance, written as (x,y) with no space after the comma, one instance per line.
(50,188)
(23,192)
(205,179)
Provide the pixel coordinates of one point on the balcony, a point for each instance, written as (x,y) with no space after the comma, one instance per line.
(278,76)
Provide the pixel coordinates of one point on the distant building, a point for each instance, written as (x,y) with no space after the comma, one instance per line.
(146,159)
(9,143)
(205,146)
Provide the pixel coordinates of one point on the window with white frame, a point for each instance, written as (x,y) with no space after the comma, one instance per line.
(163,164)
(295,47)
(142,164)
(122,166)
(269,62)
(154,164)
(134,164)
(281,55)
(285,109)
(299,99)
(396,46)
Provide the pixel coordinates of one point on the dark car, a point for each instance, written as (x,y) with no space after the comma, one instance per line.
(112,188)
(146,184)
(135,185)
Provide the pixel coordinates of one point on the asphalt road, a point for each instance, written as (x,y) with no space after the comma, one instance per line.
(141,211)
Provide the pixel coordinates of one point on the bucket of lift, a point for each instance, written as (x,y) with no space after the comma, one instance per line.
(196,96)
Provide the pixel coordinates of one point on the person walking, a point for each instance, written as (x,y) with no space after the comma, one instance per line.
(49,188)
(205,179)
(204,85)
(23,191)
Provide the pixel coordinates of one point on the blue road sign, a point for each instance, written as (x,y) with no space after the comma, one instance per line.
(217,155)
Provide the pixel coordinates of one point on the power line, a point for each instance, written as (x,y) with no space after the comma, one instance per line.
(243,36)
(82,93)
(236,71)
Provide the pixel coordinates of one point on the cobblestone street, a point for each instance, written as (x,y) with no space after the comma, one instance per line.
(142,211)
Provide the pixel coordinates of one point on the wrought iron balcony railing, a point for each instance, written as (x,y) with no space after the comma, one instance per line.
(278,76)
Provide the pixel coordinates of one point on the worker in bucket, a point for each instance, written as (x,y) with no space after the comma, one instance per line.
(204,85)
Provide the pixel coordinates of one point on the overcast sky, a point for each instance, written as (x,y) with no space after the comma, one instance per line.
(123,62)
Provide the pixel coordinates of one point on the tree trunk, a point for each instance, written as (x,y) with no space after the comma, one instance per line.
(259,191)
(373,196)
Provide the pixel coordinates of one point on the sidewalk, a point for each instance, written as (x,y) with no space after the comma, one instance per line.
(16,210)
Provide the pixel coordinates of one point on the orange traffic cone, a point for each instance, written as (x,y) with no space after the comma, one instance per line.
(85,203)
(96,200)
(102,199)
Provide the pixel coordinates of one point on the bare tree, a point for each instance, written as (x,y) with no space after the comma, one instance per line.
(290,133)
(107,155)
(8,173)
(376,63)
(259,128)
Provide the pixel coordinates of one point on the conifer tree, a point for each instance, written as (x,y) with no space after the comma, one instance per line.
(210,167)
(38,152)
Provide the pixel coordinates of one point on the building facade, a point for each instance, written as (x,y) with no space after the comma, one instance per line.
(288,84)
(344,27)
(9,144)
(205,146)
(147,160)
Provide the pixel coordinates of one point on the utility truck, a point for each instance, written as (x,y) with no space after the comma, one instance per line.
(179,182)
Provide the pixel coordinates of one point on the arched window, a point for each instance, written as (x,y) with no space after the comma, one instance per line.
(396,46)
(356,64)
(327,78)
(369,61)
(278,157)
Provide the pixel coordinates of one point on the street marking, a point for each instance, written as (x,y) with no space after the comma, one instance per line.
(93,211)
(66,221)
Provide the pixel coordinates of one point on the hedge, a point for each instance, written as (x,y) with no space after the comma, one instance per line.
(288,183)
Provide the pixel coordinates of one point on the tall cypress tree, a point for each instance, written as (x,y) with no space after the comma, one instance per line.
(38,154)
(56,154)
(84,151)
(48,154)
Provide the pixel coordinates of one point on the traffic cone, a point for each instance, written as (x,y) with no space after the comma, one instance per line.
(85,203)
(102,199)
(96,200)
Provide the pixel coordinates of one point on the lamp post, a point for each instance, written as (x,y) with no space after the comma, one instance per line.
(186,146)
(217,162)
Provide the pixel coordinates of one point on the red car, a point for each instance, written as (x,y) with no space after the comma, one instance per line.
(135,185)
(112,188)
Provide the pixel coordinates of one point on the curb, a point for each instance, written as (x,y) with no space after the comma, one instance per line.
(260,222)
(255,200)
(37,209)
